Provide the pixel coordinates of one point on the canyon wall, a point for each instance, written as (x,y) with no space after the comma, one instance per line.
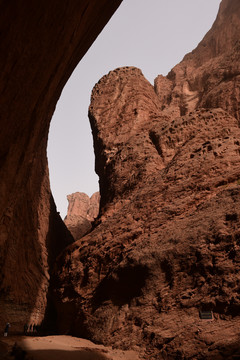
(209,76)
(166,244)
(41,43)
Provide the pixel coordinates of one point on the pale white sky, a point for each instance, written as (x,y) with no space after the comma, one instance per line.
(153,35)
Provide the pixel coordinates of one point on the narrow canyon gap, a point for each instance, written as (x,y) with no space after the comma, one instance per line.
(70,162)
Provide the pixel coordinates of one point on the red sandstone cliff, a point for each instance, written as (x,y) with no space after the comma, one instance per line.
(209,76)
(82,211)
(167,241)
(41,43)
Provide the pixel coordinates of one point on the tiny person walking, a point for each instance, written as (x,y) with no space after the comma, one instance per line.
(6,329)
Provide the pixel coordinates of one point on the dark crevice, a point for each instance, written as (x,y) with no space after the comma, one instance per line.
(155,138)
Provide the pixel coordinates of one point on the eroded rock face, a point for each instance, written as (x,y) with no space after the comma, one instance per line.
(41,43)
(82,211)
(209,76)
(167,241)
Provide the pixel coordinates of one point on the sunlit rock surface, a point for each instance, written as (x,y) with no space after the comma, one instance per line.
(82,211)
(209,76)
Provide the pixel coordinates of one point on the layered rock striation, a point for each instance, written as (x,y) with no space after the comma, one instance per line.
(41,43)
(82,211)
(166,245)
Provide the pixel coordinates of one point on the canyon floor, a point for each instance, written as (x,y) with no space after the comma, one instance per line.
(63,347)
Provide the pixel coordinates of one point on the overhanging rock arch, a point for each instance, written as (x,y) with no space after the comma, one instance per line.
(41,43)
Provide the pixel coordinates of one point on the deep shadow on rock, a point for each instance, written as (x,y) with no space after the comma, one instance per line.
(41,43)
(3,350)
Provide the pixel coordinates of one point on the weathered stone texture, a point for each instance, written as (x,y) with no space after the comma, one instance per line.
(209,76)
(82,211)
(166,244)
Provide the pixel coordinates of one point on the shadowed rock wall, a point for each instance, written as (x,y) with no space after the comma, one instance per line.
(167,241)
(41,43)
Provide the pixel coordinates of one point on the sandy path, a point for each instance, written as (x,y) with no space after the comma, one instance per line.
(70,348)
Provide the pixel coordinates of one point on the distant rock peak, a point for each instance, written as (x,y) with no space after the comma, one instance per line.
(82,211)
(208,77)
